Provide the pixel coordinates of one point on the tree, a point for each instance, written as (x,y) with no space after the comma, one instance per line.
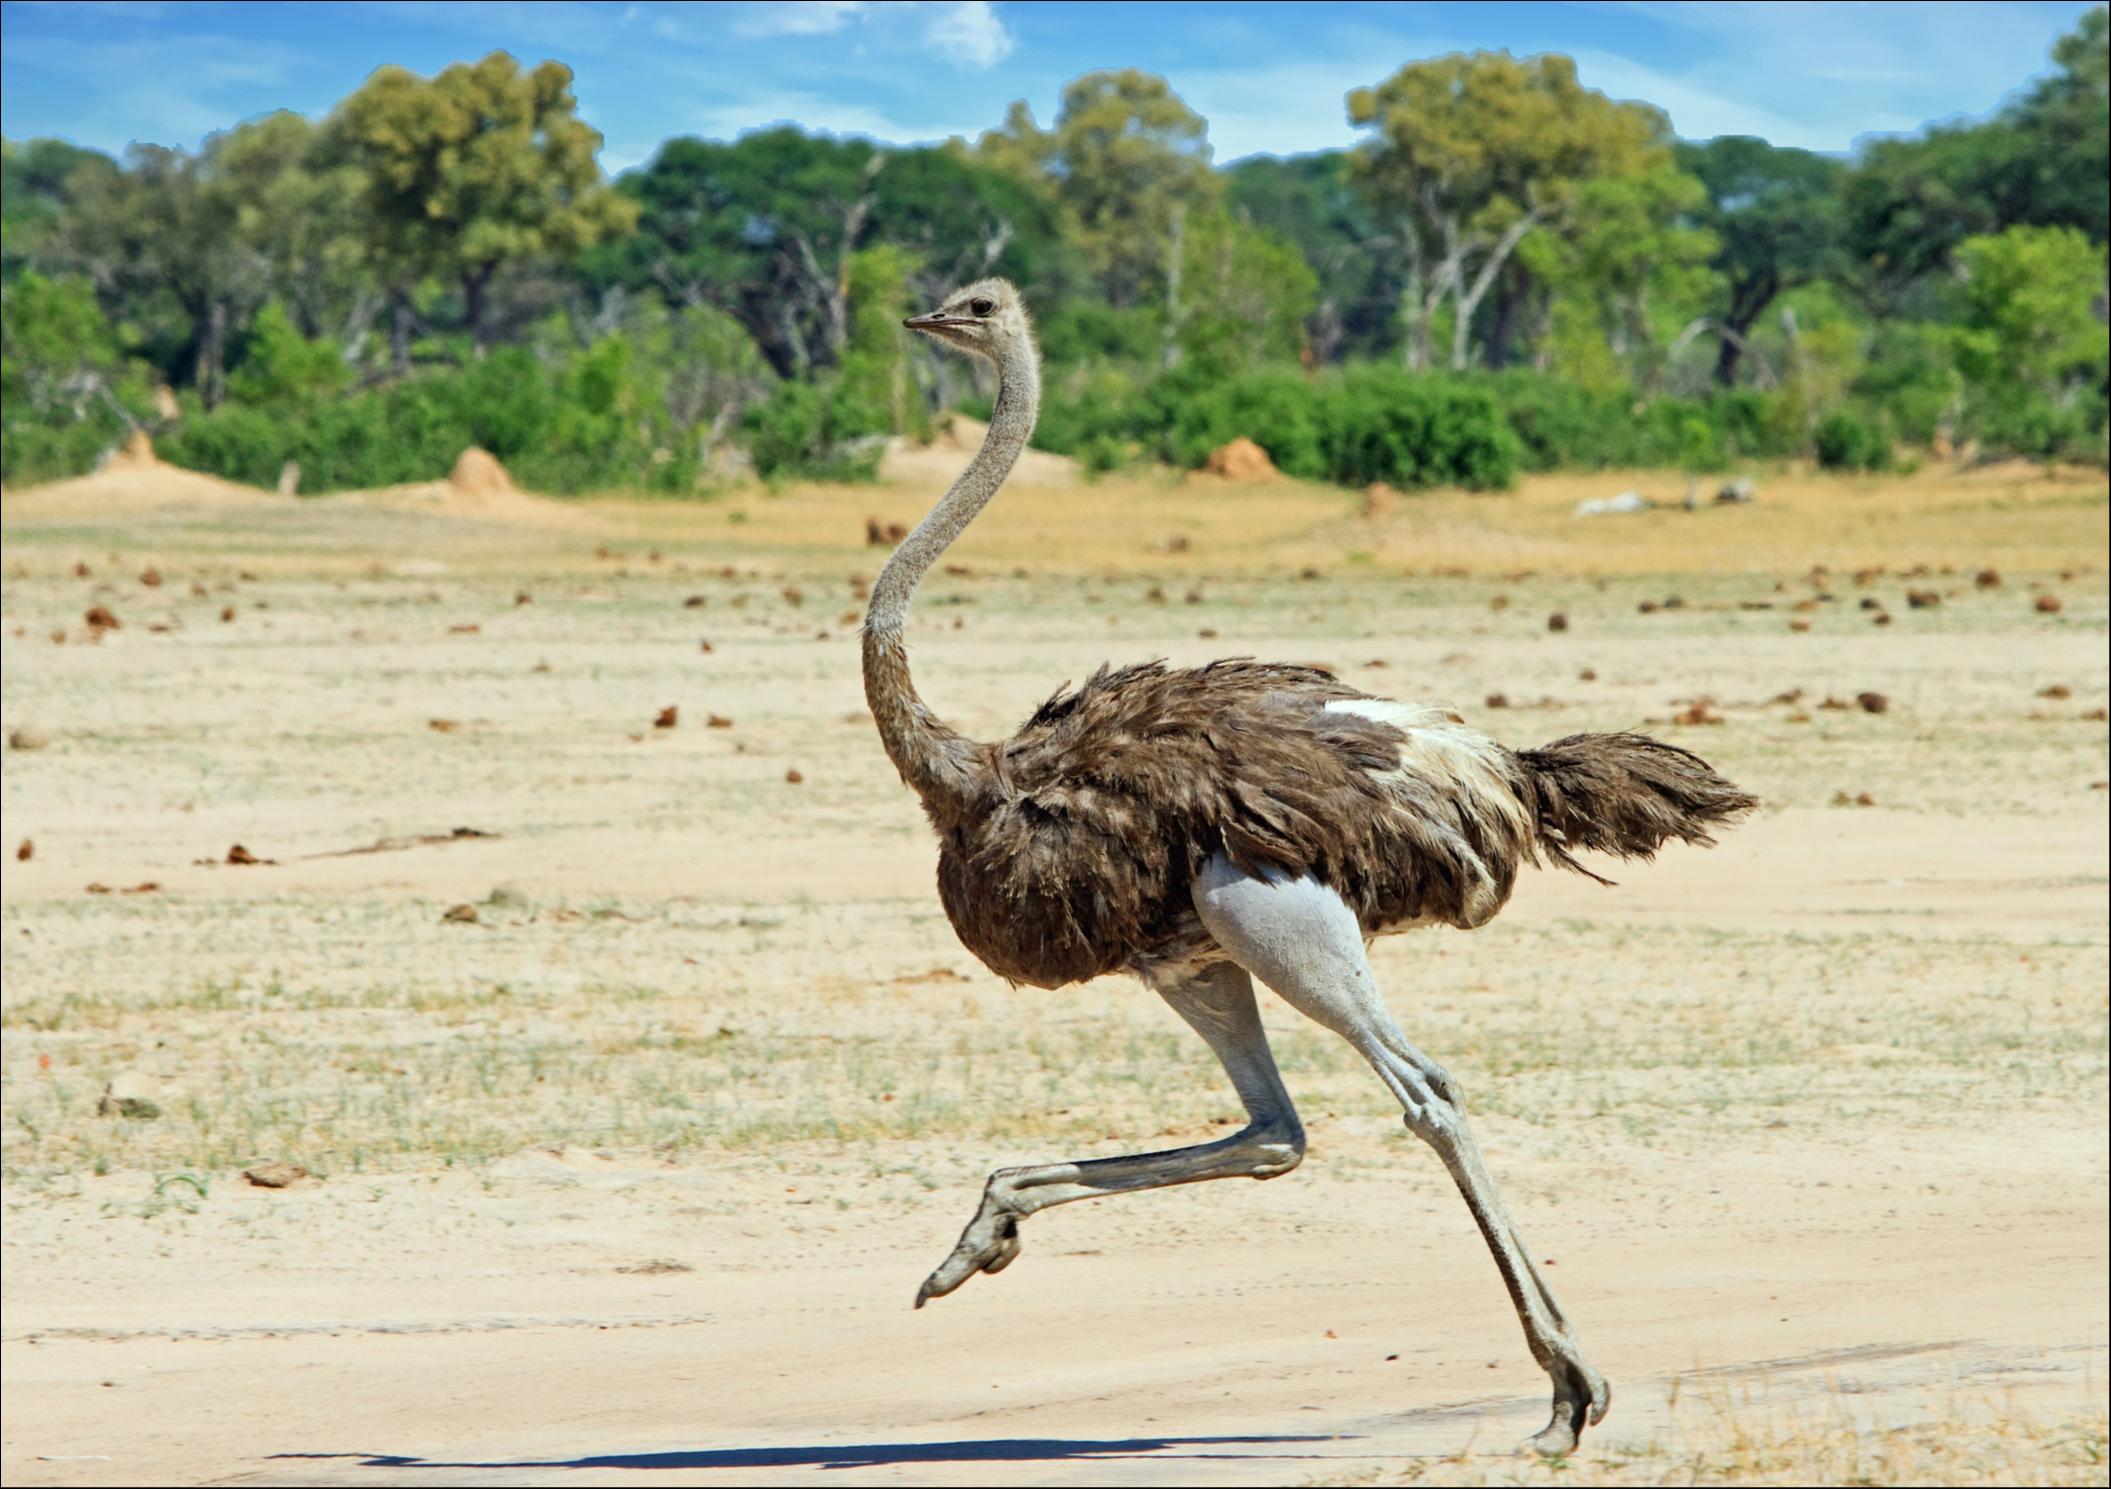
(2066,116)
(1777,219)
(296,208)
(69,387)
(1470,153)
(765,229)
(168,222)
(1312,202)
(1632,256)
(465,173)
(39,182)
(2033,323)
(1127,162)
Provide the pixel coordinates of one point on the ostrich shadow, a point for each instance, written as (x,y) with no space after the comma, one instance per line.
(876,1455)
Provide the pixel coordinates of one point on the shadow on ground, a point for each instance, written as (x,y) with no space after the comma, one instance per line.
(869,1455)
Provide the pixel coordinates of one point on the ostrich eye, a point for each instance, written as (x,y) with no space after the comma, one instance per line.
(982,307)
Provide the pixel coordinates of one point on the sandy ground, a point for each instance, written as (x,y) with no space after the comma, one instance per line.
(631,1177)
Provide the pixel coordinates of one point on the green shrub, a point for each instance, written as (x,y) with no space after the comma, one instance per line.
(805,430)
(1852,442)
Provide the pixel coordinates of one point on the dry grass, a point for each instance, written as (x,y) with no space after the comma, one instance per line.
(1743,1436)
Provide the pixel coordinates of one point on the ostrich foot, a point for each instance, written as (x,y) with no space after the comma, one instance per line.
(989,1244)
(1581,1397)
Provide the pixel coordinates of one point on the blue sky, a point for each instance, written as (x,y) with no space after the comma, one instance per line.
(1268,77)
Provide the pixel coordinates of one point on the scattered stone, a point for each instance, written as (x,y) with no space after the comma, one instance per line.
(464,628)
(657,1267)
(793,595)
(241,857)
(667,717)
(1859,799)
(460,915)
(717,721)
(1557,622)
(522,597)
(443,726)
(1498,700)
(695,602)
(25,851)
(1699,711)
(129,1095)
(1588,674)
(704,647)
(1647,607)
(793,778)
(98,888)
(27,737)
(1871,602)
(275,1175)
(227,614)
(1873,702)
(880,534)
(1799,625)
(2047,604)
(508,896)
(1987,579)
(1609,506)
(2057,690)
(1922,599)
(80,570)
(151,578)
(101,618)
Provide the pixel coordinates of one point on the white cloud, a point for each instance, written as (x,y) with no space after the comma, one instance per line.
(969,32)
(816,111)
(1287,109)
(800,17)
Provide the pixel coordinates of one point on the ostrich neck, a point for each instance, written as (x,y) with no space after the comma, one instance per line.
(939,763)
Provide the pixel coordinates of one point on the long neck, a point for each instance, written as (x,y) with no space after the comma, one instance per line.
(939,763)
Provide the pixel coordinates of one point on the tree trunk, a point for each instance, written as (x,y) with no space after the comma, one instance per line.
(474,283)
(399,327)
(1467,300)
(209,371)
(1176,245)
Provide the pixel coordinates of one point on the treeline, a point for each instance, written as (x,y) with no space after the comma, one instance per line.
(1508,272)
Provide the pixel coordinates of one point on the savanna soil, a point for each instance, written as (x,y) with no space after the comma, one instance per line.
(627,1171)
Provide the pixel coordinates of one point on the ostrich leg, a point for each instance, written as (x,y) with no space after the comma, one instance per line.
(1300,938)
(1218,1004)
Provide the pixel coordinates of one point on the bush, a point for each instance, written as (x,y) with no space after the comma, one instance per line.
(807,430)
(1852,442)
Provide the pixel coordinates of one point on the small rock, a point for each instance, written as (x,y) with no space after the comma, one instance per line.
(793,777)
(508,896)
(695,602)
(1799,625)
(443,726)
(241,856)
(1588,674)
(657,1267)
(460,915)
(276,1175)
(667,717)
(717,721)
(1922,599)
(2046,604)
(2057,690)
(1872,702)
(129,1095)
(26,851)
(1557,622)
(151,578)
(1497,700)
(102,618)
(1987,579)
(28,737)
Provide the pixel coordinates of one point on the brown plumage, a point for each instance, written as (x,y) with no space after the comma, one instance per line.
(1071,852)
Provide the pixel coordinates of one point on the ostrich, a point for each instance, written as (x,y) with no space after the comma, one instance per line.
(1199,828)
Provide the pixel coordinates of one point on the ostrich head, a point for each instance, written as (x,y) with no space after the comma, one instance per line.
(981,318)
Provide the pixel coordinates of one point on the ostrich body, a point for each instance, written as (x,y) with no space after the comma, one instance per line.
(1199,828)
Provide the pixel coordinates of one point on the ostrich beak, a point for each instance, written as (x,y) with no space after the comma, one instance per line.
(928,322)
